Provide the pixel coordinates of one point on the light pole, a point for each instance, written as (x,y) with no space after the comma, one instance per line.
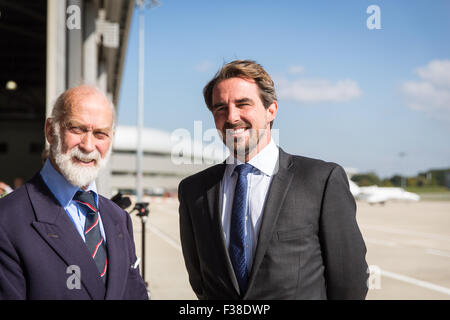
(141,206)
(403,182)
(140,110)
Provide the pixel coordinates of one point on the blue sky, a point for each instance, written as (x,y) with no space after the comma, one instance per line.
(346,94)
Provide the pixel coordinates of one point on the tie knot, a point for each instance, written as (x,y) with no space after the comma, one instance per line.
(244,169)
(87,199)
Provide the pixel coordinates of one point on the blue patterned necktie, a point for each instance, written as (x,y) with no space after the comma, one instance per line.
(237,227)
(94,240)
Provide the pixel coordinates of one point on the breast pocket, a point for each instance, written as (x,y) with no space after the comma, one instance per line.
(294,234)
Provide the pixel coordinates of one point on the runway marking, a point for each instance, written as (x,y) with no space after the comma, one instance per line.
(380,242)
(407,232)
(439,253)
(420,283)
(165,237)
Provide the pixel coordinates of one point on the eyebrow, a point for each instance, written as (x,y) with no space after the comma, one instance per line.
(242,100)
(75,123)
(218,104)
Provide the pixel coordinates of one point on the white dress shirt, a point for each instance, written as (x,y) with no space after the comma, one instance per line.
(265,165)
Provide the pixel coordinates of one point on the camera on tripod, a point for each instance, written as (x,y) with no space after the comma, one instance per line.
(142,212)
(141,208)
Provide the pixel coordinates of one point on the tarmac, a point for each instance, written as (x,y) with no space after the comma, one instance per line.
(408,250)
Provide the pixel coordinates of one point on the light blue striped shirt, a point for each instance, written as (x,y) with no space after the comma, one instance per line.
(64,191)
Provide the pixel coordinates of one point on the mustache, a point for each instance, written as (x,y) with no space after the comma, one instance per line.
(86,157)
(235,125)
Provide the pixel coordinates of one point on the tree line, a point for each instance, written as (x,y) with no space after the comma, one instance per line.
(430,178)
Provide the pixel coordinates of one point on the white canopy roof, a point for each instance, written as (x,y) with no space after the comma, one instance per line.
(159,141)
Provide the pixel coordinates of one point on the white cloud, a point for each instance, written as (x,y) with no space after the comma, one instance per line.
(437,72)
(425,96)
(318,90)
(432,93)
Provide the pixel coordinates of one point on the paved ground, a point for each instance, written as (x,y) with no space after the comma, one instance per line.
(408,250)
(409,243)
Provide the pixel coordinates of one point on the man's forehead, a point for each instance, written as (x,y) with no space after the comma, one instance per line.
(235,84)
(89,98)
(85,95)
(92,105)
(89,116)
(236,90)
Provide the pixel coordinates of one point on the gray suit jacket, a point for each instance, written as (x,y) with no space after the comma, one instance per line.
(309,245)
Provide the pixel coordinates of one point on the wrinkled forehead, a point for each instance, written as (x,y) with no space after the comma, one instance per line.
(89,108)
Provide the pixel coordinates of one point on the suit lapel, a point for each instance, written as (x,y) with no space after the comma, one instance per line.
(274,201)
(115,242)
(213,204)
(55,227)
(213,195)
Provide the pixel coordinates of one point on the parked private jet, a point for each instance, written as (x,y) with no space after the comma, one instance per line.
(375,194)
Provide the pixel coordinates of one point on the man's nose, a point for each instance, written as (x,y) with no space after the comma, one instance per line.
(87,143)
(233,114)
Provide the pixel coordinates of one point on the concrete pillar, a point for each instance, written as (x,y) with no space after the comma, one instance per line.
(91,76)
(56,52)
(74,49)
(90,51)
(104,181)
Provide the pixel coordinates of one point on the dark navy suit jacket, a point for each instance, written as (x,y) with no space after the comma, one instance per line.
(39,243)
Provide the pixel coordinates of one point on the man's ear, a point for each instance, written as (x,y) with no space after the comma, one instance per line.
(49,134)
(272,111)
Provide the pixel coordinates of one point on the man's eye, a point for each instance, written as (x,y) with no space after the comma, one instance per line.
(76,130)
(101,135)
(219,109)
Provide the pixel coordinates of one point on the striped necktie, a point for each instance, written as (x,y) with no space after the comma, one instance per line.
(94,240)
(237,227)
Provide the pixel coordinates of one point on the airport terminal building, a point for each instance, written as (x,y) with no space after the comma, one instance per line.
(164,162)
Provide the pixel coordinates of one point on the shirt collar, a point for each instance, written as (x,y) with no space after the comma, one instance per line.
(62,189)
(265,160)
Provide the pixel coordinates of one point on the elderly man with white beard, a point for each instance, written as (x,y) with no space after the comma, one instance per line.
(60,239)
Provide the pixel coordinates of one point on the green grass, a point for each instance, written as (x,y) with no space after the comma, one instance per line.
(432,193)
(426,190)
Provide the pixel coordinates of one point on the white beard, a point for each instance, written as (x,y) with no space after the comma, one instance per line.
(76,174)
